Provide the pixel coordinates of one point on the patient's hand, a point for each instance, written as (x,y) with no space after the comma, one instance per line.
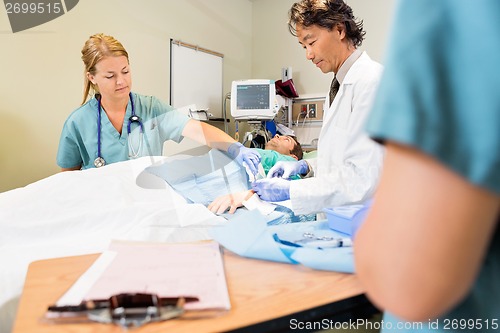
(231,201)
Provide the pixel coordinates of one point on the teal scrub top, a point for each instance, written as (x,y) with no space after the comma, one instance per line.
(78,142)
(439,93)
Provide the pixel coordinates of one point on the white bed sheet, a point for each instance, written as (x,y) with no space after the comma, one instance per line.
(80,212)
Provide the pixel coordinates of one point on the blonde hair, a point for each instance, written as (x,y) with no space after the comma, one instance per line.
(95,49)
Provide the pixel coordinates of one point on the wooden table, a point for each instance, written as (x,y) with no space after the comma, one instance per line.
(265,297)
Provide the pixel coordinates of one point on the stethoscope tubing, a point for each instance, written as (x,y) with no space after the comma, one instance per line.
(99,161)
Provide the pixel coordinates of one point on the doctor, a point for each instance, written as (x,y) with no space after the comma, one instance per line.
(348,163)
(116,124)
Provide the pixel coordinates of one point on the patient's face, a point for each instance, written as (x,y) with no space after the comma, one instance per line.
(283,144)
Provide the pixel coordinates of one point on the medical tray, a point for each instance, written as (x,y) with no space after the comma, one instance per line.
(347,219)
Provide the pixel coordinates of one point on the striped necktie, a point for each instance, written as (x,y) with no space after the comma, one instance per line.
(334,88)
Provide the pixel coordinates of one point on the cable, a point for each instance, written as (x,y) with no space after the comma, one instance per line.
(306,116)
(224,112)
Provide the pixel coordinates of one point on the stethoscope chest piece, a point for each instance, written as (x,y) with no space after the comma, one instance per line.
(99,162)
(134,118)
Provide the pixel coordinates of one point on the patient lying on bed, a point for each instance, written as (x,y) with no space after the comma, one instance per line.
(214,178)
(279,148)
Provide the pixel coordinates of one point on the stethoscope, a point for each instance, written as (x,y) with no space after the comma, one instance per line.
(99,161)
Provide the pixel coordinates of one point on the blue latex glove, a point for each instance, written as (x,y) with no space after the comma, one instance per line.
(287,169)
(242,154)
(274,189)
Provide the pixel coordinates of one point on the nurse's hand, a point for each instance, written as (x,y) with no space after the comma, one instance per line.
(230,201)
(288,169)
(243,154)
(272,189)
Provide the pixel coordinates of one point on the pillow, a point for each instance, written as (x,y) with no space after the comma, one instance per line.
(310,154)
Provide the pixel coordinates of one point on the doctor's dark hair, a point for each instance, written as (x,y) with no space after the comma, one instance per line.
(326,14)
(95,49)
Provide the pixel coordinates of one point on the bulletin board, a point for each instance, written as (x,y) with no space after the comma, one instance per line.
(196,76)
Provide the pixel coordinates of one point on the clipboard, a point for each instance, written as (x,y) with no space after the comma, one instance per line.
(133,283)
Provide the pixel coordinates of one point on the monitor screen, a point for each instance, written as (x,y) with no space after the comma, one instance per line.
(252,96)
(253,99)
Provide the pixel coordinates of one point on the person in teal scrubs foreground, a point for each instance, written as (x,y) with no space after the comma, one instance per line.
(428,253)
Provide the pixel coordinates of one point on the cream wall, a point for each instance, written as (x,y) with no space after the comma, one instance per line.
(42,74)
(273,47)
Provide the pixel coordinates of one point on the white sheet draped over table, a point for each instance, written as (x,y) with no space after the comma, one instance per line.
(79,212)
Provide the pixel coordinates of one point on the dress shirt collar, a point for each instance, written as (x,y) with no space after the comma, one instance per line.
(344,68)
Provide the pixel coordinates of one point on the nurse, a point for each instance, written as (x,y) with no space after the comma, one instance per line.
(348,163)
(116,124)
(428,253)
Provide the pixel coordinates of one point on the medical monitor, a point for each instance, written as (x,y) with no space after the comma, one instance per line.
(253,99)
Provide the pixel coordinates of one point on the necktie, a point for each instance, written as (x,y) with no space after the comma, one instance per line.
(334,88)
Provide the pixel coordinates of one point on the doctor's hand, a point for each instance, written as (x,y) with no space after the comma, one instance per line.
(286,170)
(243,154)
(273,189)
(231,201)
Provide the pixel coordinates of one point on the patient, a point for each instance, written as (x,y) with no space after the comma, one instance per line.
(279,148)
(209,178)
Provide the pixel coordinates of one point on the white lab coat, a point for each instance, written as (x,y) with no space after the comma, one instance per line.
(348,164)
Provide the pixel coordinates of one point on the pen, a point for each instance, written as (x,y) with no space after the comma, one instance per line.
(310,240)
(324,241)
(83,306)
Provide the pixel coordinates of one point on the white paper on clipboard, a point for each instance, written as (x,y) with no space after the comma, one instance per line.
(168,270)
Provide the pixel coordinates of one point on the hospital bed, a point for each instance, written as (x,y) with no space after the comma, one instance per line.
(76,213)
